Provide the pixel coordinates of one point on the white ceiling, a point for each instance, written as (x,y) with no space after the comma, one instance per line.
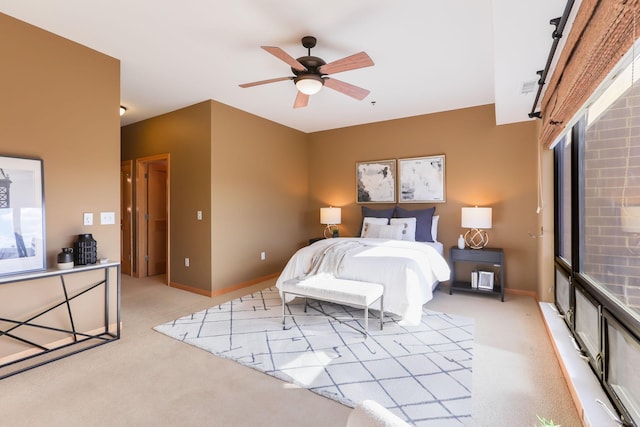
(429,55)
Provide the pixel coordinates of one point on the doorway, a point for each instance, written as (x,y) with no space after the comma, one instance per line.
(152,216)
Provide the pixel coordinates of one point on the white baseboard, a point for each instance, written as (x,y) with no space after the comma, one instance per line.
(583,384)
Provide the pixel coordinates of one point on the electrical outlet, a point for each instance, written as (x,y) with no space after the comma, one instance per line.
(199,215)
(88,218)
(186,262)
(263,256)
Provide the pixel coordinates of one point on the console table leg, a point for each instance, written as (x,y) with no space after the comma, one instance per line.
(66,300)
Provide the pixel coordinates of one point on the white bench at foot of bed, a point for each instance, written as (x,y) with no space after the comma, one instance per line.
(340,291)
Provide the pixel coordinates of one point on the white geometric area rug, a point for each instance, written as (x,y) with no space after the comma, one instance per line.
(421,373)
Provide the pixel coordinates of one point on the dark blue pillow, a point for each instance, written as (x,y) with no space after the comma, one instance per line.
(378,213)
(423,221)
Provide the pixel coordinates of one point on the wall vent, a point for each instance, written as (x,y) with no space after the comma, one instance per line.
(528,87)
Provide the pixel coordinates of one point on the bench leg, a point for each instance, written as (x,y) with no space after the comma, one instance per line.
(283,309)
(366,312)
(366,321)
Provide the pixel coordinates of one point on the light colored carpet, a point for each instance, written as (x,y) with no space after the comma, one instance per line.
(421,373)
(145,379)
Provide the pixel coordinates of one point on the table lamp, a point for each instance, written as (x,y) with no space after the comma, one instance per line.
(331,217)
(477,220)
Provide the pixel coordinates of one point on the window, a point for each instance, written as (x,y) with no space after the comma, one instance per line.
(610,182)
(597,182)
(563,295)
(623,359)
(563,173)
(587,325)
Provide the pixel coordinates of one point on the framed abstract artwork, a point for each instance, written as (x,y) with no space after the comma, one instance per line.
(376,181)
(22,222)
(421,180)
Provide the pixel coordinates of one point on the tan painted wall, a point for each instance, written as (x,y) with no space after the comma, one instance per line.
(60,103)
(487,165)
(248,176)
(259,185)
(185,134)
(267,183)
(546,230)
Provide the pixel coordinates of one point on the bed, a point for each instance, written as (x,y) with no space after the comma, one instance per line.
(408,269)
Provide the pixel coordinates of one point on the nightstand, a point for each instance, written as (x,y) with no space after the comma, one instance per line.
(490,257)
(315,239)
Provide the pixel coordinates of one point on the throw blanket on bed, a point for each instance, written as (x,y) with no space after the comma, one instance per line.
(407,270)
(329,261)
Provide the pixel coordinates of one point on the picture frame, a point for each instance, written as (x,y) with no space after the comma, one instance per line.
(22,216)
(376,181)
(485,280)
(422,179)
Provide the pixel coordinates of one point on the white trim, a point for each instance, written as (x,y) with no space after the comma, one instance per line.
(588,395)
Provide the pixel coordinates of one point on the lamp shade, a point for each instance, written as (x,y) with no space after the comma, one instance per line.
(330,215)
(309,84)
(476,217)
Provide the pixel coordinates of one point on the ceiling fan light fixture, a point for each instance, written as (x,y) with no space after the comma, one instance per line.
(309,84)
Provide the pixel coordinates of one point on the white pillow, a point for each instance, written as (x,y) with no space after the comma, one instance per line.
(378,231)
(408,228)
(434,227)
(372,220)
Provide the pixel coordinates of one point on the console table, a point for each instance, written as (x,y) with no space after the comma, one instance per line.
(56,328)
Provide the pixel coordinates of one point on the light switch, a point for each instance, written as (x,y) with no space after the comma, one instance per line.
(107,218)
(88,218)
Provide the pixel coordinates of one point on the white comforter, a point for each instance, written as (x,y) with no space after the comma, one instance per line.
(407,270)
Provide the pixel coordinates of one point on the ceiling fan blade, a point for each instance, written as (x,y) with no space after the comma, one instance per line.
(301,100)
(346,88)
(353,62)
(284,56)
(264,82)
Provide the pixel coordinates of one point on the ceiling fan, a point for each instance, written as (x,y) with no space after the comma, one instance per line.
(311,73)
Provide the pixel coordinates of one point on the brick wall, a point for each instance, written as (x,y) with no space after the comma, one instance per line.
(611,255)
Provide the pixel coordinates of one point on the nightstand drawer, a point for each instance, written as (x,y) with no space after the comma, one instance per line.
(486,255)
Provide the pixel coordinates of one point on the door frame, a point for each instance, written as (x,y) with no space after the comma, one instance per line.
(141,228)
(126,214)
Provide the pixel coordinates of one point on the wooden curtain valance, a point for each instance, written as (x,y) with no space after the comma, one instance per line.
(600,36)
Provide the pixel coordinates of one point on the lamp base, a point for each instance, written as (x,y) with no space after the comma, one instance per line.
(330,231)
(476,239)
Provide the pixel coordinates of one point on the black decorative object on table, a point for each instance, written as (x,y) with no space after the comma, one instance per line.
(86,250)
(65,259)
